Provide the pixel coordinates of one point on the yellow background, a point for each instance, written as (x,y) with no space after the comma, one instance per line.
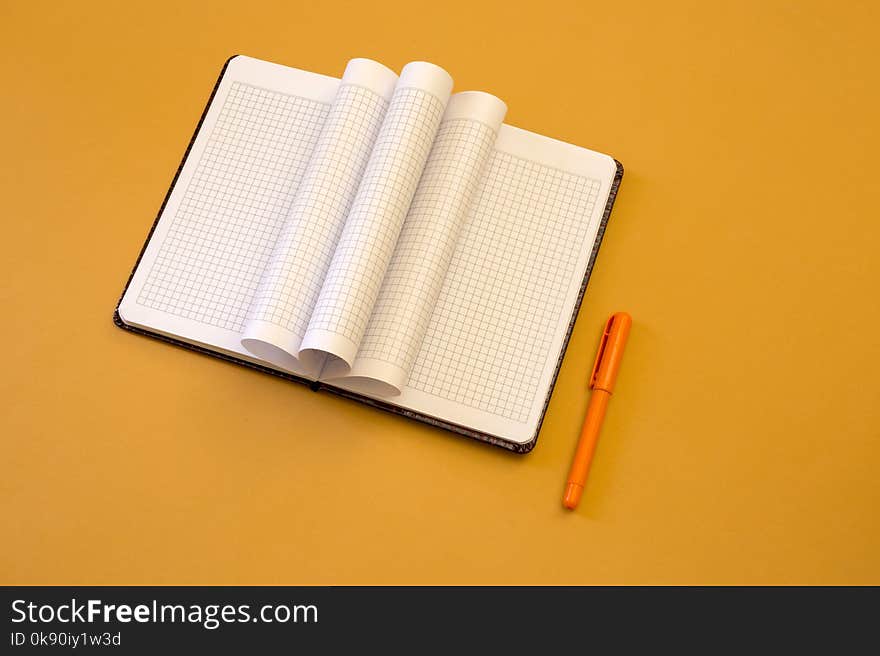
(742,444)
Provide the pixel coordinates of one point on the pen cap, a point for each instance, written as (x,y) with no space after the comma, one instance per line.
(610,352)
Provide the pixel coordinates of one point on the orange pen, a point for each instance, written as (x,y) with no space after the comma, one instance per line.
(602,381)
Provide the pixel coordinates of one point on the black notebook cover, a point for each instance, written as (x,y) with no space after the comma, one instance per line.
(405,412)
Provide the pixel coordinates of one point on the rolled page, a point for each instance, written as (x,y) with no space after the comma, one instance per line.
(414,279)
(286,295)
(367,242)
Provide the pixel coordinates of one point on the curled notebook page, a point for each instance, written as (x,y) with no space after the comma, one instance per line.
(367,243)
(282,305)
(427,241)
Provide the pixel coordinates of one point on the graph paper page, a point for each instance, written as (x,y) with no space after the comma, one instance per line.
(198,274)
(494,338)
(427,241)
(282,305)
(366,245)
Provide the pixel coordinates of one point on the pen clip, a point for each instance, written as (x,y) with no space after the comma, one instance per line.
(601,352)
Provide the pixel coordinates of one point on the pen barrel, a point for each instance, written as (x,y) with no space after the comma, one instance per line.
(583,456)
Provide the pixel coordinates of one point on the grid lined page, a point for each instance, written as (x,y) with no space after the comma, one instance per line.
(291,282)
(424,250)
(489,338)
(220,239)
(367,242)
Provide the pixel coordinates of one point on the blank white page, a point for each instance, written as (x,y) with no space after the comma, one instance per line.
(213,240)
(492,346)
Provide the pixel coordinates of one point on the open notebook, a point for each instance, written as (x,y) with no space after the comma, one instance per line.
(380,237)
